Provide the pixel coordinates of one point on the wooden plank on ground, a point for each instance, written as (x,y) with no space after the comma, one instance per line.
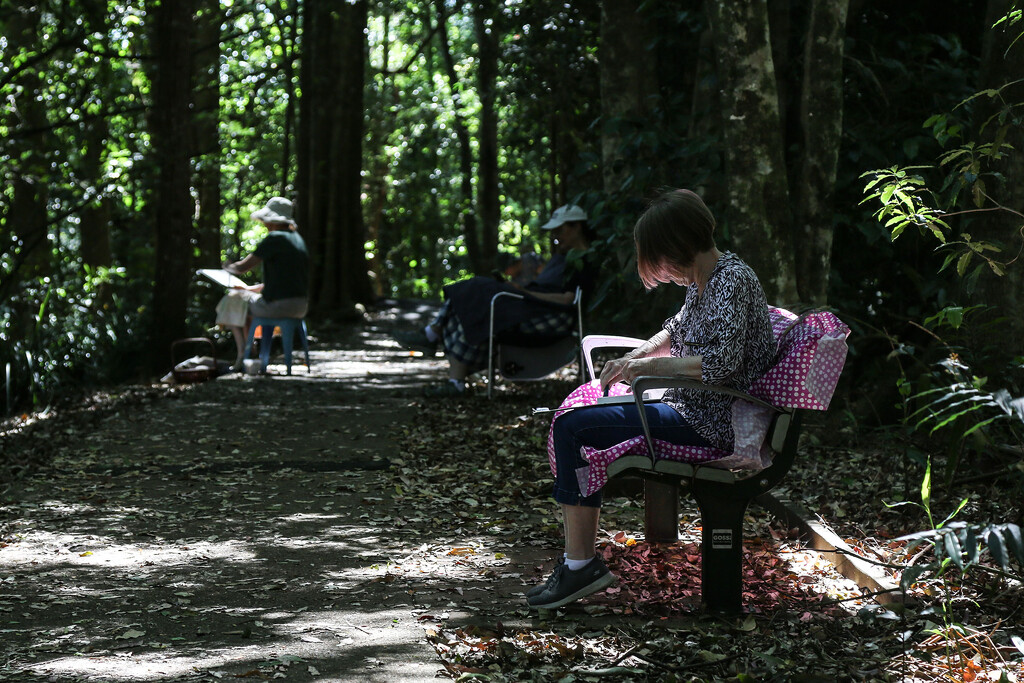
(865,574)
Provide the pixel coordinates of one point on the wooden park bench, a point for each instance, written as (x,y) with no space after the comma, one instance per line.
(809,358)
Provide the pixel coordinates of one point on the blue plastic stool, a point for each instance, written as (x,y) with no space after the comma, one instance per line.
(288,327)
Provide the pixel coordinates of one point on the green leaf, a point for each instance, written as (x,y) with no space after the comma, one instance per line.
(874,181)
(1012,536)
(955,512)
(961,265)
(953,550)
(939,235)
(981,424)
(926,486)
(910,575)
(997,547)
(970,542)
(978,192)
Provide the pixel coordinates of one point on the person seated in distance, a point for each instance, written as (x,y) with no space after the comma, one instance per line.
(721,335)
(462,326)
(285,261)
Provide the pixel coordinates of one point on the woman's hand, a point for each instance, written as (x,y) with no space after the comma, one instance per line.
(612,373)
(627,369)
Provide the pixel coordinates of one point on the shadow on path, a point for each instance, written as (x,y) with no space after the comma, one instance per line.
(327,526)
(237,528)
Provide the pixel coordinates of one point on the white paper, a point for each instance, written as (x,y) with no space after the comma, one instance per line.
(221,277)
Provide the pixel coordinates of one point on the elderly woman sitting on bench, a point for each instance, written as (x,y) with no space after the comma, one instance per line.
(721,335)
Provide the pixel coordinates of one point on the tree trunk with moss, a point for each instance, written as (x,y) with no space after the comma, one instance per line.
(821,119)
(758,216)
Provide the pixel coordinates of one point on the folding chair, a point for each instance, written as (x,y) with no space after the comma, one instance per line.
(522,358)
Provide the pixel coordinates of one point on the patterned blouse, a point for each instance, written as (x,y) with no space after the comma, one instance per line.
(728,326)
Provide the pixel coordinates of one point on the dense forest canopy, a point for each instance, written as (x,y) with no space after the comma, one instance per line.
(424,141)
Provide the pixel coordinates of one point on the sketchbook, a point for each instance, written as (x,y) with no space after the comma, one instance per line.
(221,277)
(626,399)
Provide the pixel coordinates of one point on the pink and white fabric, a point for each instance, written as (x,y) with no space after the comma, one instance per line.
(811,353)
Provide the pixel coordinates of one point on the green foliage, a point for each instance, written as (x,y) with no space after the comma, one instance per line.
(965,546)
(83,332)
(963,177)
(77,132)
(415,211)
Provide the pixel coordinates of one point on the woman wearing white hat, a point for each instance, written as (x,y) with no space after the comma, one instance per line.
(285,261)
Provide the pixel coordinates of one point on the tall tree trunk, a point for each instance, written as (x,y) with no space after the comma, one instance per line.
(27,215)
(821,117)
(355,282)
(485,19)
(466,203)
(94,218)
(207,150)
(330,154)
(1003,64)
(170,124)
(313,176)
(628,85)
(289,30)
(758,212)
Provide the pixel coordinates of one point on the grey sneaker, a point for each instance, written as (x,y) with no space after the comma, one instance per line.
(415,339)
(565,586)
(537,590)
(445,389)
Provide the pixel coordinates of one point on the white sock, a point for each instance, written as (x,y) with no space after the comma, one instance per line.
(576,565)
(459,384)
(431,335)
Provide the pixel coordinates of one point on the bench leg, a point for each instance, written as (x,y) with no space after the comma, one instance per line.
(661,510)
(721,551)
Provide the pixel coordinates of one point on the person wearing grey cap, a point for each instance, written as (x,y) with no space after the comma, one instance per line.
(463,324)
(285,261)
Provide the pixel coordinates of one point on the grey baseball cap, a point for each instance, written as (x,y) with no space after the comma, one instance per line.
(570,213)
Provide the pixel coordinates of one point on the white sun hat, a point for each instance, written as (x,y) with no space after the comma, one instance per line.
(277,210)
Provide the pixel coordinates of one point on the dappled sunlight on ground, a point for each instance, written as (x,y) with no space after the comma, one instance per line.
(337,526)
(40,550)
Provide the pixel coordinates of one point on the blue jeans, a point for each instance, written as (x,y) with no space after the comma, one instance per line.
(605,427)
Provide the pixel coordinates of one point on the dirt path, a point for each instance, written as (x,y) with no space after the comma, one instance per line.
(333,527)
(240,528)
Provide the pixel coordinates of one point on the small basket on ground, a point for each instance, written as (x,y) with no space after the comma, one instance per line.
(195,373)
